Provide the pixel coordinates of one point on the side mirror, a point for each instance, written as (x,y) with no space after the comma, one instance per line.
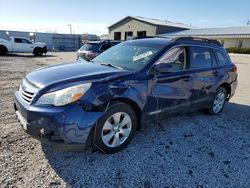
(163,68)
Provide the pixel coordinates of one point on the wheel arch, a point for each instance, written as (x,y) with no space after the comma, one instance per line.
(37,48)
(133,105)
(4,47)
(228,89)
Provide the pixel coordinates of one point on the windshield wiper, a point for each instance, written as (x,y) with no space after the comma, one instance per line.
(90,60)
(111,65)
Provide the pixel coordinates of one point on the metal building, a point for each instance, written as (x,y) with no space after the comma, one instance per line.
(135,26)
(54,41)
(228,36)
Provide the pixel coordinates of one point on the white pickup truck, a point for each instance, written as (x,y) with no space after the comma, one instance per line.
(22,45)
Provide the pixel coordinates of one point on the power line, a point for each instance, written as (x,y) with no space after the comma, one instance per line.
(87,29)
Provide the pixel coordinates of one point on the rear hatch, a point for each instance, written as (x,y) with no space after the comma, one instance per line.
(86,51)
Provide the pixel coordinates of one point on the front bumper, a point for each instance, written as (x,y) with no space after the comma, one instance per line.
(66,125)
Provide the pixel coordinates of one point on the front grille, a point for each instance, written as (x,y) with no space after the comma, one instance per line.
(27,96)
(27,91)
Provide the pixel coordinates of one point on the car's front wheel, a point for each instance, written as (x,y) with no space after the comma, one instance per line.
(115,129)
(38,52)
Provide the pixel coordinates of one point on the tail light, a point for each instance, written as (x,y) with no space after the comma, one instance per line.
(234,68)
(91,55)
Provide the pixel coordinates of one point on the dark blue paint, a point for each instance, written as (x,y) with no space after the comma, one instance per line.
(149,92)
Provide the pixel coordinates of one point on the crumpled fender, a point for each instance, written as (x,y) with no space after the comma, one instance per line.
(94,104)
(103,93)
(74,124)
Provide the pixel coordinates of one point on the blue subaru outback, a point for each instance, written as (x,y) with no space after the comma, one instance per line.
(106,99)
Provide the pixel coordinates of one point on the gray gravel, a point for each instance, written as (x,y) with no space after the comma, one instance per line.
(193,150)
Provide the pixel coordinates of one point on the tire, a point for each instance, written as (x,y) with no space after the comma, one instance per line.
(38,52)
(115,129)
(2,50)
(218,102)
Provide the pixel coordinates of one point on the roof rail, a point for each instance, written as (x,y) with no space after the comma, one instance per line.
(153,36)
(182,39)
(106,40)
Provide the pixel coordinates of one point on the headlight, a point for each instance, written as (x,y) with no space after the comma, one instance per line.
(64,96)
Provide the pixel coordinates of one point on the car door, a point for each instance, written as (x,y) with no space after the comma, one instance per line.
(22,45)
(27,46)
(17,45)
(172,91)
(202,61)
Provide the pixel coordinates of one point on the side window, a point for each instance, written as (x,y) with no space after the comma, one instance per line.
(176,57)
(221,58)
(26,41)
(200,58)
(105,47)
(17,40)
(113,44)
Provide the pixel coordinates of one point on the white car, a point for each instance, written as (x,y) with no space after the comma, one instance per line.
(22,45)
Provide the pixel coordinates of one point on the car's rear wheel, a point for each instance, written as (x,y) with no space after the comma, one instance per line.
(218,101)
(115,129)
(2,50)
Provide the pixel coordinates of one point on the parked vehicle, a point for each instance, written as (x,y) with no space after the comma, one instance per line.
(22,45)
(93,48)
(105,100)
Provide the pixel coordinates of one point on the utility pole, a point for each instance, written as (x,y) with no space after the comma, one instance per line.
(70,28)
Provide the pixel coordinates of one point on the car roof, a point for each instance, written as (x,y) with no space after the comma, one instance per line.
(103,41)
(156,42)
(182,40)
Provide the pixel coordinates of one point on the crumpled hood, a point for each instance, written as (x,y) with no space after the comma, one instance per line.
(73,72)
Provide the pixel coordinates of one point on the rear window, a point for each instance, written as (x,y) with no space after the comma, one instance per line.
(18,40)
(221,58)
(87,47)
(200,58)
(105,47)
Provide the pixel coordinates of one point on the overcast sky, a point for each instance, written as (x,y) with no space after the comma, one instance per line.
(94,16)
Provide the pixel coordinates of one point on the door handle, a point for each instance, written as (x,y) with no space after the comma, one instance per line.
(187,79)
(215,73)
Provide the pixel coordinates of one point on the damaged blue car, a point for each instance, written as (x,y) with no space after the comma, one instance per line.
(107,99)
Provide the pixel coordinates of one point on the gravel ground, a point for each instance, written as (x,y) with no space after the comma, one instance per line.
(194,150)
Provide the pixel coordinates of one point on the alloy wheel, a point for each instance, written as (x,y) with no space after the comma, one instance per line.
(219,102)
(116,129)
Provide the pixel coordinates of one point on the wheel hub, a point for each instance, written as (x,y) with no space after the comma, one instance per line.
(116,129)
(219,102)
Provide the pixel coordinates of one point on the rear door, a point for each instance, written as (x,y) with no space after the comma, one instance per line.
(202,63)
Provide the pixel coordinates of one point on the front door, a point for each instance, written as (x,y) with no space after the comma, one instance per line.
(172,91)
(22,45)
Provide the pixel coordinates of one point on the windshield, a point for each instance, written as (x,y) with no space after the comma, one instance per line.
(128,55)
(87,47)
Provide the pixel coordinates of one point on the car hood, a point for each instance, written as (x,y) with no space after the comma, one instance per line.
(73,72)
(40,43)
